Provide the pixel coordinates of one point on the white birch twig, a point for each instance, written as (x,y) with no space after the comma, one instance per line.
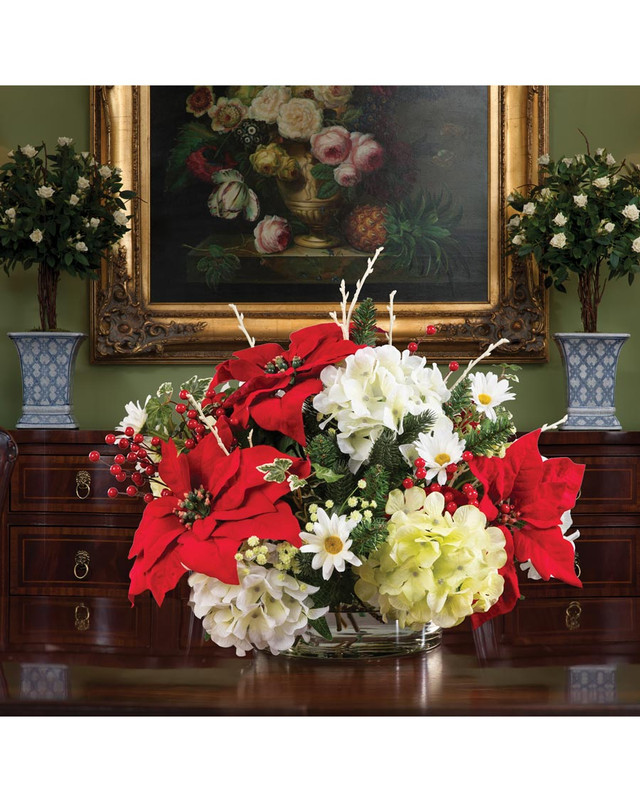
(347,314)
(488,351)
(554,425)
(240,318)
(208,422)
(392,317)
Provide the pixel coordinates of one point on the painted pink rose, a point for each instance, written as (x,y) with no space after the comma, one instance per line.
(272,234)
(366,154)
(346,175)
(331,145)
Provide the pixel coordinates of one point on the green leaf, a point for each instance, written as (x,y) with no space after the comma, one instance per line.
(322,172)
(276,471)
(321,627)
(328,189)
(325,474)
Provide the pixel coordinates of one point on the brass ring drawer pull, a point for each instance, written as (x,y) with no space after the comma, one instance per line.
(81,565)
(81,618)
(83,485)
(572,616)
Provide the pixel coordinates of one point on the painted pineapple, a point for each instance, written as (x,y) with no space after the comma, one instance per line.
(364,227)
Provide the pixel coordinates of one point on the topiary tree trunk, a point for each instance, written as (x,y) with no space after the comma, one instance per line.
(47,296)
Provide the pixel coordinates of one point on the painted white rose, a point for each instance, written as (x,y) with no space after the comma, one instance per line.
(514,222)
(518,240)
(104,172)
(10,213)
(560,219)
(600,151)
(81,246)
(46,192)
(610,160)
(120,218)
(635,245)
(36,236)
(529,209)
(609,227)
(299,119)
(558,241)
(567,161)
(28,150)
(580,200)
(83,183)
(545,194)
(602,183)
(64,141)
(544,159)
(266,104)
(74,199)
(94,222)
(631,212)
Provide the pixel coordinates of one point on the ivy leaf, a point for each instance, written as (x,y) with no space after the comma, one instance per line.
(321,627)
(165,390)
(325,474)
(276,471)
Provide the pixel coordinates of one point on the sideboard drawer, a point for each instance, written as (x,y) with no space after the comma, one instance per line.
(66,484)
(79,621)
(580,621)
(610,484)
(606,560)
(69,560)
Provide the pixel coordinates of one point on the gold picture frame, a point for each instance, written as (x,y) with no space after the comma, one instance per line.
(127,327)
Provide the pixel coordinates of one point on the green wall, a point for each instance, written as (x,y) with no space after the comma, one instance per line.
(609,115)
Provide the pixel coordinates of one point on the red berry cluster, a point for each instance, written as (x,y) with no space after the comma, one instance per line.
(132,463)
(430,330)
(452,496)
(508,514)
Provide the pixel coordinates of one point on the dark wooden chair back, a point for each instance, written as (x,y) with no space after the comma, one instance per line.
(8,455)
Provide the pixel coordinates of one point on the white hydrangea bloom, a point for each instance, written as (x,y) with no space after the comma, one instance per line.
(267,610)
(375,389)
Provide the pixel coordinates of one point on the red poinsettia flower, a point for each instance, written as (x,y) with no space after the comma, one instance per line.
(540,491)
(217,502)
(278,381)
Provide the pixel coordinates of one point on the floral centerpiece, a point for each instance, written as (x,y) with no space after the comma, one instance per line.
(302,490)
(60,210)
(583,218)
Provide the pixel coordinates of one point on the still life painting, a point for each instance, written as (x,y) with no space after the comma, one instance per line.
(291,188)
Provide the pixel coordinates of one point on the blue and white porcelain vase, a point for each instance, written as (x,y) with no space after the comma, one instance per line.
(591,362)
(47,361)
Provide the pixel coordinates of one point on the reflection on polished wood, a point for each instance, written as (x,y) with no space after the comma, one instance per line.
(60,671)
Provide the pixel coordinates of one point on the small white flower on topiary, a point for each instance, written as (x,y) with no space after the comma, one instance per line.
(45,192)
(558,241)
(609,227)
(635,245)
(560,219)
(104,171)
(514,221)
(83,183)
(602,183)
(120,218)
(28,150)
(580,200)
(529,209)
(544,159)
(36,236)
(81,246)
(74,199)
(631,212)
(63,141)
(610,160)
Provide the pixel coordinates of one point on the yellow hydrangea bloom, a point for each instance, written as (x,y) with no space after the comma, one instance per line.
(434,566)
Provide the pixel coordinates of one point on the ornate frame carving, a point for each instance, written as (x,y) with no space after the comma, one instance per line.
(127,328)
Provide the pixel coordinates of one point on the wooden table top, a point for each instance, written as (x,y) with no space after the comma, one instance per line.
(454,679)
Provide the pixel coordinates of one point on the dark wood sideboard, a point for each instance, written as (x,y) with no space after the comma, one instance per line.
(64,546)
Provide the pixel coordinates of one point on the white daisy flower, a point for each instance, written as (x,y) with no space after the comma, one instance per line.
(487,392)
(439,447)
(331,543)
